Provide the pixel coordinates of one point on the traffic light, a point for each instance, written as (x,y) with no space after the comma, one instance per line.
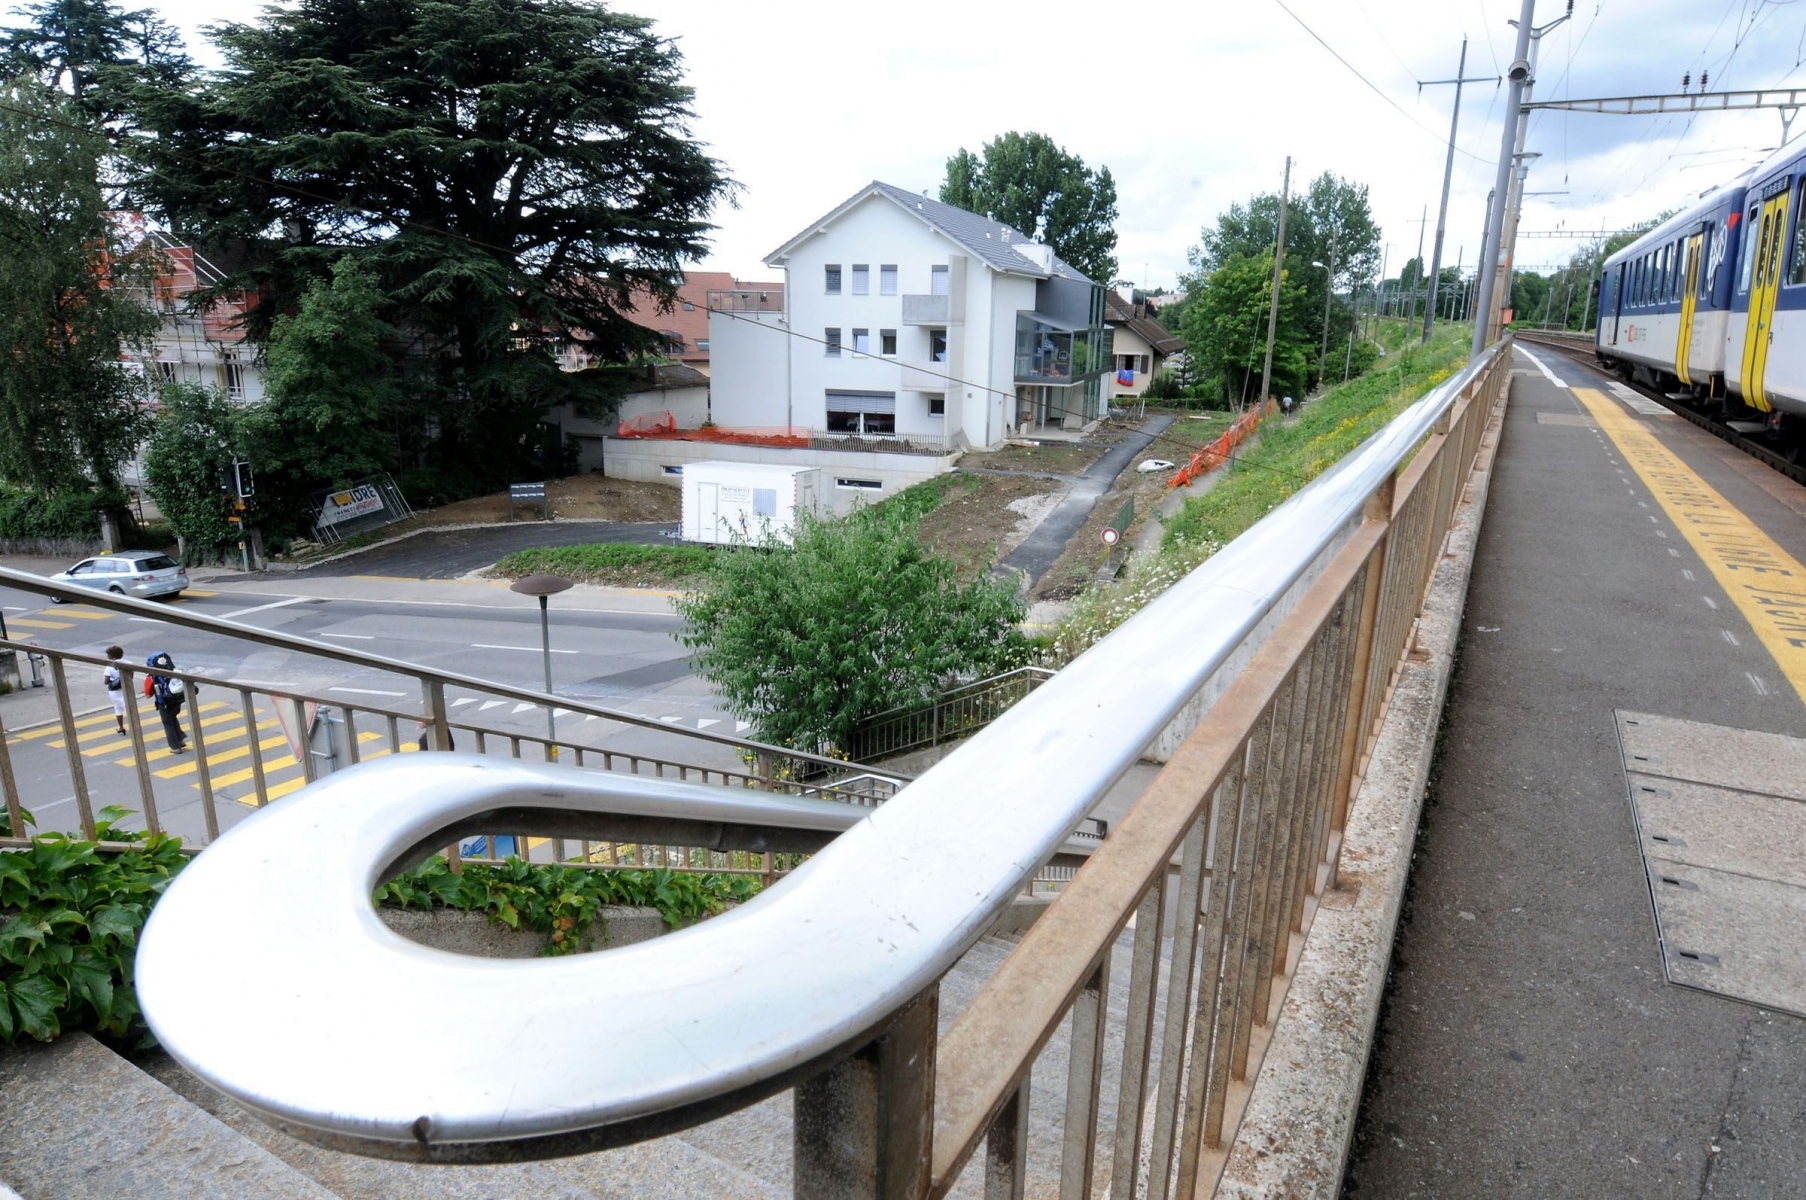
(227,481)
(245,483)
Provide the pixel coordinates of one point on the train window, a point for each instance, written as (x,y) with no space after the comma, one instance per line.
(1796,256)
(1746,250)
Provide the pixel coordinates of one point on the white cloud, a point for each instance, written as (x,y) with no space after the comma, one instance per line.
(1195,105)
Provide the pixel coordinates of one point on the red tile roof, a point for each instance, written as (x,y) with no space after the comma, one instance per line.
(688,320)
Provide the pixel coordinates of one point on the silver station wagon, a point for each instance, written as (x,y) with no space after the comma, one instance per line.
(141,573)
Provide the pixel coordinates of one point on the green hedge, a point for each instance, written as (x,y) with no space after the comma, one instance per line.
(69,933)
(69,516)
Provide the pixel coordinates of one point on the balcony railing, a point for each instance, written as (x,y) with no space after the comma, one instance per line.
(923,377)
(928,310)
(1265,671)
(747,300)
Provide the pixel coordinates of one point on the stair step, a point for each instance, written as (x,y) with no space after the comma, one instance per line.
(80,1121)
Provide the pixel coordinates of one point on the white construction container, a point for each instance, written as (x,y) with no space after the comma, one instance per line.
(749,503)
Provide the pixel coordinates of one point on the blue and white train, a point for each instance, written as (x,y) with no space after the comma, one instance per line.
(1711,303)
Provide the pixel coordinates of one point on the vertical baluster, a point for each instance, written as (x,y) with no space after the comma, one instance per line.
(1272,866)
(1251,947)
(351,751)
(9,789)
(77,775)
(203,770)
(1178,1005)
(141,753)
(1084,1076)
(394,736)
(247,703)
(1215,985)
(863,1126)
(1006,1148)
(1138,1035)
(1292,867)
(438,717)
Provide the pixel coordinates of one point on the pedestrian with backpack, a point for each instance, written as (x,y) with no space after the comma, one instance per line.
(114,678)
(169,693)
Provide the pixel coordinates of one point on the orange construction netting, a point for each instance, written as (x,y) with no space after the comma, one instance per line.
(1217,453)
(664,425)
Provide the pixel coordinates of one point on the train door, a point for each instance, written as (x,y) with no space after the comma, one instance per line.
(1683,351)
(1617,302)
(1765,280)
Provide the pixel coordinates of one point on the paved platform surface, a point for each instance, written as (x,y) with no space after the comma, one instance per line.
(1532,1043)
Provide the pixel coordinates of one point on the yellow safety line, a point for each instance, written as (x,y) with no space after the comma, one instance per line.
(1767,584)
(270,767)
(86,614)
(31,624)
(188,767)
(98,726)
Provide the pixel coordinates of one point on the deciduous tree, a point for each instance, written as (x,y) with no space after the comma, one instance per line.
(856,618)
(1027,181)
(70,291)
(197,433)
(1225,329)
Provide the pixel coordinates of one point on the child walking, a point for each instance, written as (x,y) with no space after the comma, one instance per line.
(115,681)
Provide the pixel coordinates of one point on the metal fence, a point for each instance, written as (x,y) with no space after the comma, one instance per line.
(253,743)
(1277,655)
(958,713)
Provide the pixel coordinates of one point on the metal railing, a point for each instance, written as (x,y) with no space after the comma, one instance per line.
(958,713)
(1270,666)
(245,734)
(743,300)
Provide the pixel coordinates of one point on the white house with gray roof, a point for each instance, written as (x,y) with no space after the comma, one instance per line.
(907,319)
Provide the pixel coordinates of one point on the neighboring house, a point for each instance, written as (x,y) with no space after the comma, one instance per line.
(686,327)
(670,395)
(1141,345)
(904,318)
(206,346)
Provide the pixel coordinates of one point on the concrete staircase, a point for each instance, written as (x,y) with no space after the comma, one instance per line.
(78,1120)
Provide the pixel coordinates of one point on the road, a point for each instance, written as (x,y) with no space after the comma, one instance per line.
(611,648)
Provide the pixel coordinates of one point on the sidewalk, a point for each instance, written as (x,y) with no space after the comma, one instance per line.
(1531,1042)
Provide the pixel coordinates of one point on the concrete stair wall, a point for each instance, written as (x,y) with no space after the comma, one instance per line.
(79,1121)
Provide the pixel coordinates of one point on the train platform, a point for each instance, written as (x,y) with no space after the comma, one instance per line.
(1599,974)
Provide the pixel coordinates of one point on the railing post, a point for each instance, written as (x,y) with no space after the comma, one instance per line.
(1084,1075)
(432,698)
(135,722)
(77,775)
(1379,511)
(864,1127)
(1006,1149)
(15,815)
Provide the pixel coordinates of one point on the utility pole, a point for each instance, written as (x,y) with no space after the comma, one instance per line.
(1514,207)
(1495,220)
(1329,289)
(1279,262)
(1354,322)
(1448,171)
(1422,222)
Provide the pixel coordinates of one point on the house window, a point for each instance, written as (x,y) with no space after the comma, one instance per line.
(232,376)
(832,337)
(862,279)
(937,406)
(688,307)
(863,485)
(887,279)
(702,344)
(867,414)
(166,371)
(673,469)
(887,341)
(833,279)
(937,345)
(1144,364)
(1796,256)
(862,341)
(937,281)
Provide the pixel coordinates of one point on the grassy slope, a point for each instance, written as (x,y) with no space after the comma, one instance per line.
(1286,456)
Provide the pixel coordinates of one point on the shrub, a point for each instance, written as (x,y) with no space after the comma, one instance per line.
(66,955)
(622,564)
(68,516)
(1165,386)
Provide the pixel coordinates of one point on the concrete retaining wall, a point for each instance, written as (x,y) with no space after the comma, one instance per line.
(647,458)
(459,931)
(1294,1136)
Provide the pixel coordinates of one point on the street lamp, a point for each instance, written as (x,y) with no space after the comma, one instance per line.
(544,586)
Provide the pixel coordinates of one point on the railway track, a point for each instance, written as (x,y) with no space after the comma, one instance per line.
(1579,346)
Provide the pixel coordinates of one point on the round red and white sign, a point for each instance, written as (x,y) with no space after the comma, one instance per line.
(1110,536)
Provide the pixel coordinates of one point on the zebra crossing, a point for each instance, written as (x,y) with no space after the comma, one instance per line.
(68,616)
(113,761)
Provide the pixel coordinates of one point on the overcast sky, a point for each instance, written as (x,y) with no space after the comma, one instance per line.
(1196,105)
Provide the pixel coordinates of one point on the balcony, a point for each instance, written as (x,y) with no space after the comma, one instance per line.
(745,300)
(924,377)
(929,310)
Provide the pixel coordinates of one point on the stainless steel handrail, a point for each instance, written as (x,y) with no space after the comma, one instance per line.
(27,582)
(395,1049)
